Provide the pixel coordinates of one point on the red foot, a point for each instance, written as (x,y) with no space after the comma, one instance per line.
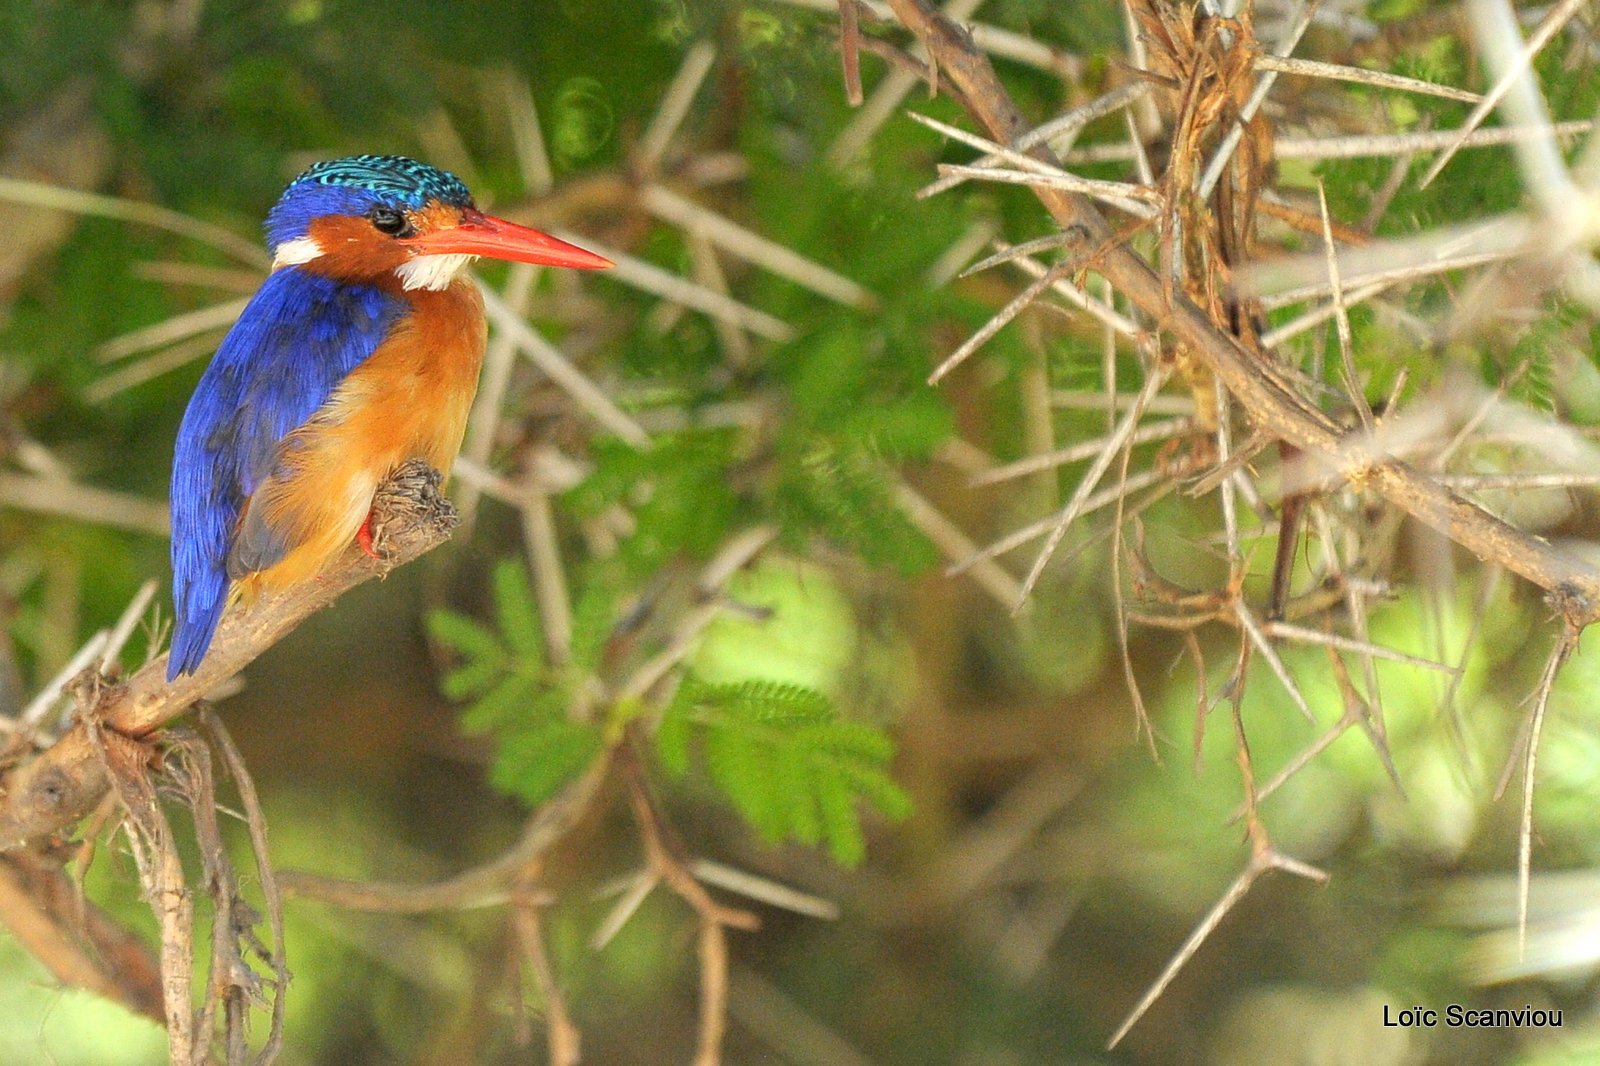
(364,537)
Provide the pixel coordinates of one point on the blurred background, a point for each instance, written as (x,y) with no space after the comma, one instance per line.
(1054,855)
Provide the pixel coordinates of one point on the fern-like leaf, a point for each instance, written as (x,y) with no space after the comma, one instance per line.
(513,695)
(533,763)
(785,760)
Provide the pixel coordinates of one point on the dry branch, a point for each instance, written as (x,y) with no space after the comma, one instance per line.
(77,942)
(65,781)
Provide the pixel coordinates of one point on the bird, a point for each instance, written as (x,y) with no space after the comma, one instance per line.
(359,351)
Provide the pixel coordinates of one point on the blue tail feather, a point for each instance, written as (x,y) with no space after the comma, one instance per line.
(198,613)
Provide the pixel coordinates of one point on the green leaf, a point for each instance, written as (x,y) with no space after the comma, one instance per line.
(843,829)
(536,762)
(465,636)
(785,760)
(672,735)
(516,698)
(471,679)
(847,492)
(516,611)
(593,617)
(501,709)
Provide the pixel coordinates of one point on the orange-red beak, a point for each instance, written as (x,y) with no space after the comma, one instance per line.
(481,234)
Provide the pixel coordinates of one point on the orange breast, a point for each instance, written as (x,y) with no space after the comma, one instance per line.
(410,399)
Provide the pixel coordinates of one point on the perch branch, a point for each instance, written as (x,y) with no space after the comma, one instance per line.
(65,781)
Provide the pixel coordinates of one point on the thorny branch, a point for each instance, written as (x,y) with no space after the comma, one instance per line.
(1272,404)
(563,1040)
(1182,301)
(77,942)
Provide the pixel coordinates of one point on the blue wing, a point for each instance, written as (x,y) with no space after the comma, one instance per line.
(298,337)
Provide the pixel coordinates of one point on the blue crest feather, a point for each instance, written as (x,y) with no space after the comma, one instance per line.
(356,184)
(296,340)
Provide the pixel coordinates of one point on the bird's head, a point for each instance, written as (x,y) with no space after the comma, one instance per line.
(370,217)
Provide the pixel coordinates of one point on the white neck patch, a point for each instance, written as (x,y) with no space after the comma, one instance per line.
(431,271)
(300,250)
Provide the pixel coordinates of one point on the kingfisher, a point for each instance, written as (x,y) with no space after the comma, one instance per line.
(359,351)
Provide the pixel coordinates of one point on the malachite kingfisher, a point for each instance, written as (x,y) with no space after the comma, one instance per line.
(358,352)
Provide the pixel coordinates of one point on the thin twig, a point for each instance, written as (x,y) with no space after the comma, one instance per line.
(1362,145)
(549,576)
(171,330)
(957,547)
(748,245)
(41,705)
(1382,79)
(1033,464)
(489,406)
(72,499)
(630,270)
(1558,655)
(1062,126)
(1136,200)
(714,918)
(1341,319)
(764,890)
(492,884)
(559,369)
(1247,621)
(563,1041)
(1259,864)
(270,891)
(1290,631)
(1114,443)
(1033,530)
(55,198)
(527,134)
(998,320)
(850,52)
(150,367)
(674,106)
(1074,295)
(1557,17)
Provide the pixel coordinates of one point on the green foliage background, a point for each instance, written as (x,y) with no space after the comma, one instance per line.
(1012,868)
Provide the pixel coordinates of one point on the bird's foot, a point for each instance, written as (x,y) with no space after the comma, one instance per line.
(408,502)
(364,537)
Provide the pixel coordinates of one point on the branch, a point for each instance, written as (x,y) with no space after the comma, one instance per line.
(491,884)
(65,781)
(1273,406)
(715,919)
(76,941)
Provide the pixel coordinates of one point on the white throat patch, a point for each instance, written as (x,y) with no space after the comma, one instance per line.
(300,250)
(431,271)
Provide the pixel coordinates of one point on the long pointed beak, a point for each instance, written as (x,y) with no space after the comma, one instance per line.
(481,234)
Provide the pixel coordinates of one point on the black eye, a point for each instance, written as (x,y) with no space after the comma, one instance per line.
(388,220)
